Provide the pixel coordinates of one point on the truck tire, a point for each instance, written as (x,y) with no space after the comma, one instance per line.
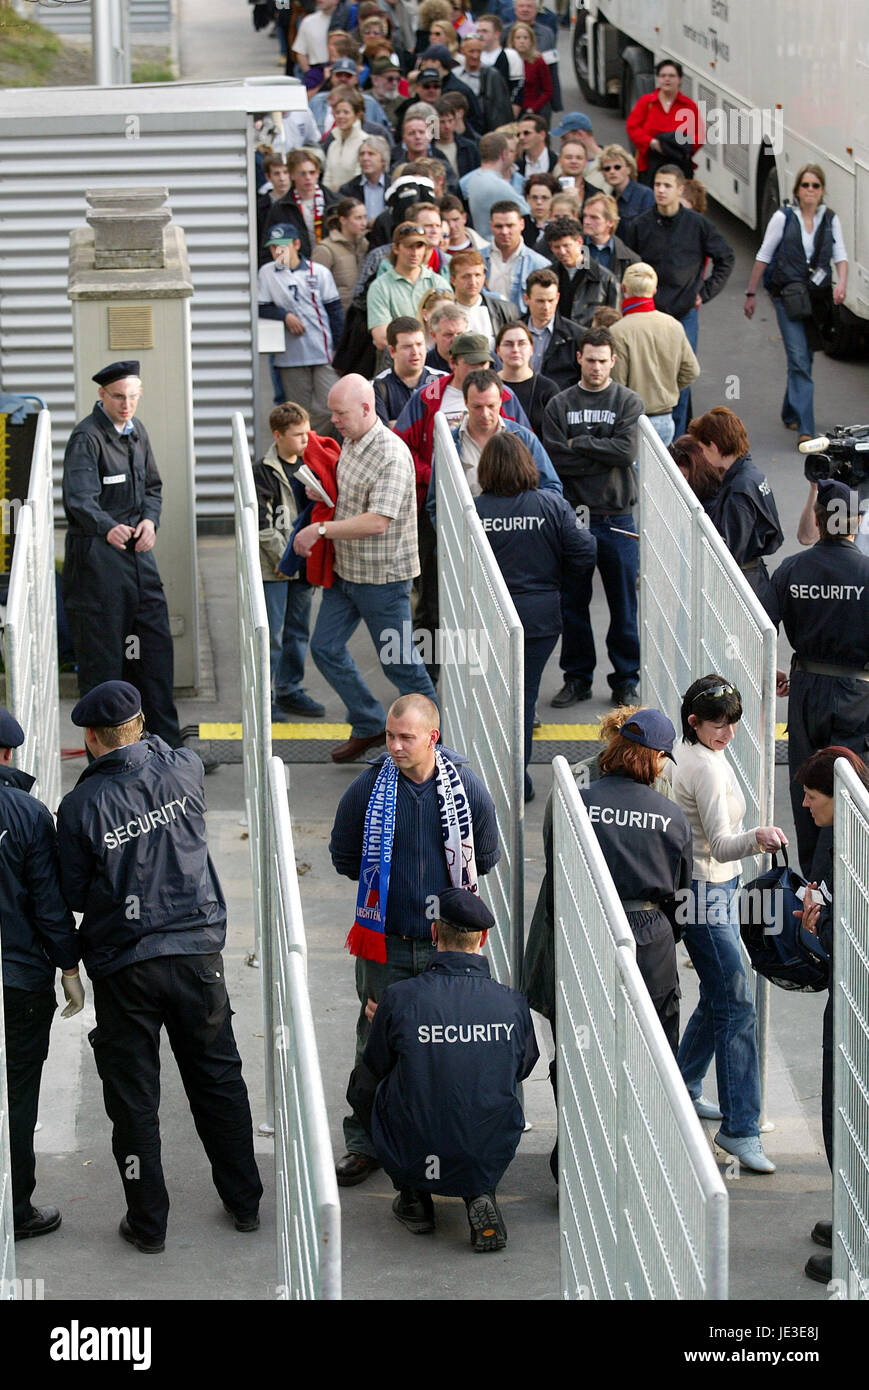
(581,68)
(848,337)
(768,195)
(634,86)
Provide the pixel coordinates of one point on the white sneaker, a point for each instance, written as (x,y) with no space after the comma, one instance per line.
(748,1149)
(707,1109)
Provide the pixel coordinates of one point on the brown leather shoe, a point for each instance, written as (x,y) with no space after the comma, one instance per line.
(348,752)
(355,1168)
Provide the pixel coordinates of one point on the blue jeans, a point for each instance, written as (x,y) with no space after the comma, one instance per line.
(691,325)
(664,428)
(798,406)
(405,958)
(385,611)
(288,606)
(724,1023)
(618,559)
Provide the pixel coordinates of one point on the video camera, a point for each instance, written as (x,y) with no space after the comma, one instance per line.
(843,454)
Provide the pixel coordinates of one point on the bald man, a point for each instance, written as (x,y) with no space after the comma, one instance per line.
(411,793)
(376,559)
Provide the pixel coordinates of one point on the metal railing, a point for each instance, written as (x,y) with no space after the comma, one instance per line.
(642,1205)
(308,1210)
(850,985)
(698,615)
(481,645)
(30,638)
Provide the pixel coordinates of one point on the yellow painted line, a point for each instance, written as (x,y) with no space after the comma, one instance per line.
(547,733)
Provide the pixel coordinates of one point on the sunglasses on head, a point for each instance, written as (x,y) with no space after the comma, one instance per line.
(715,692)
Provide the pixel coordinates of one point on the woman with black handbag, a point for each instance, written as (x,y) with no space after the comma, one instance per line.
(794,259)
(817,779)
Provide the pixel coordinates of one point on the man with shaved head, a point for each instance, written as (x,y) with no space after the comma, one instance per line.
(415,823)
(376,559)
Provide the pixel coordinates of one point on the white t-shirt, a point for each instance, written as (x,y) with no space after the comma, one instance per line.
(480,321)
(453,406)
(310,37)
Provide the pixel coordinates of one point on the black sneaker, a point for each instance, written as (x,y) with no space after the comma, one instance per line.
(571,693)
(488,1231)
(415,1210)
(300,703)
(147,1247)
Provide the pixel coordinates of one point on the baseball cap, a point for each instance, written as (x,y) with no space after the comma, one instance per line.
(344,65)
(439,53)
(282,233)
(429,76)
(408,231)
(385,63)
(832,490)
(651,729)
(472,347)
(574,120)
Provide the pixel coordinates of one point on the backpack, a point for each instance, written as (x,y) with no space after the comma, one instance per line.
(779,946)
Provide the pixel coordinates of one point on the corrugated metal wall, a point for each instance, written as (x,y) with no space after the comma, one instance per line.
(203,159)
(75,19)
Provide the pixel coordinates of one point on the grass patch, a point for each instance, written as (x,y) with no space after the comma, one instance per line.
(27,50)
(152,72)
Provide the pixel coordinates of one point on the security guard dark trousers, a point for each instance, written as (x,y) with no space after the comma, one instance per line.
(113,598)
(135,863)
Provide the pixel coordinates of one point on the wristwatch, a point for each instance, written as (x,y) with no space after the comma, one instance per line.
(750,294)
(321,529)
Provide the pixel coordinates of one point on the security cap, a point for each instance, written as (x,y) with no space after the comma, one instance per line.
(115,371)
(282,233)
(471,347)
(439,53)
(11,732)
(574,120)
(464,910)
(831,490)
(107,706)
(651,729)
(344,65)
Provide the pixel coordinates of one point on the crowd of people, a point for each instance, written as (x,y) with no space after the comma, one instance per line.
(433,239)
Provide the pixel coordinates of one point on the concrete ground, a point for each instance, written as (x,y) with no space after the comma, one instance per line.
(205,1258)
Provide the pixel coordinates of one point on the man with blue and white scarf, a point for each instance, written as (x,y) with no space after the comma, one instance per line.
(416,822)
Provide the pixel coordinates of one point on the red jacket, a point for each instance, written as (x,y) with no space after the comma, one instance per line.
(322,456)
(538,85)
(649,119)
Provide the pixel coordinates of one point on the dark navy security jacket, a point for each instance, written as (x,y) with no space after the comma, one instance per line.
(37,933)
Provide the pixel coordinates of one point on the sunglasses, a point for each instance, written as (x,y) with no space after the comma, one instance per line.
(804,184)
(715,692)
(608,167)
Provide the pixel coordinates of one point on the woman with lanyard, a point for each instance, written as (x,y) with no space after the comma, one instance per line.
(646,842)
(817,779)
(743,509)
(797,249)
(724,1023)
(514,345)
(539,548)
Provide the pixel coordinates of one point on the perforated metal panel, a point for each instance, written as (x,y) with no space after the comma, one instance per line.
(75,20)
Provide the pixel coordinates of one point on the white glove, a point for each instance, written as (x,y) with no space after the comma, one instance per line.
(74,992)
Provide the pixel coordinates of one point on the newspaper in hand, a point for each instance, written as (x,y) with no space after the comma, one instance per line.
(308,478)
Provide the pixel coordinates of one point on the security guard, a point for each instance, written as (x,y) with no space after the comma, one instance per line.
(646,842)
(37,935)
(112,497)
(446,1053)
(744,512)
(821,596)
(135,863)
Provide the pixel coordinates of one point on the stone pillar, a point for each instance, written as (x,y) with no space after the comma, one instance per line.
(130,286)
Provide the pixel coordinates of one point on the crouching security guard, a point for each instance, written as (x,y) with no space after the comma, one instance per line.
(37,935)
(112,497)
(437,1082)
(135,862)
(646,842)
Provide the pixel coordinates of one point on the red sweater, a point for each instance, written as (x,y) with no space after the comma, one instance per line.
(322,456)
(649,119)
(538,85)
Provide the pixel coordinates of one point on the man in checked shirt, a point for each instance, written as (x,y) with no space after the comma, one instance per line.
(376,558)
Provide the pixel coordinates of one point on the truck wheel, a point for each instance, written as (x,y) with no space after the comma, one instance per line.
(581,68)
(847,336)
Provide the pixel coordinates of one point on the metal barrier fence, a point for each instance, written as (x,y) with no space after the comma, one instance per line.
(850,985)
(7,1227)
(697,615)
(308,1210)
(30,637)
(481,647)
(642,1205)
(256,721)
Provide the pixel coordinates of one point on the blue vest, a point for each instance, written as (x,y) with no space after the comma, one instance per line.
(789,262)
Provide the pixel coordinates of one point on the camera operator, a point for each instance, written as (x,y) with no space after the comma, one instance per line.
(822,598)
(846,447)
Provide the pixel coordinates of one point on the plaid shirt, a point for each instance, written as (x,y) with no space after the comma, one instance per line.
(376,474)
